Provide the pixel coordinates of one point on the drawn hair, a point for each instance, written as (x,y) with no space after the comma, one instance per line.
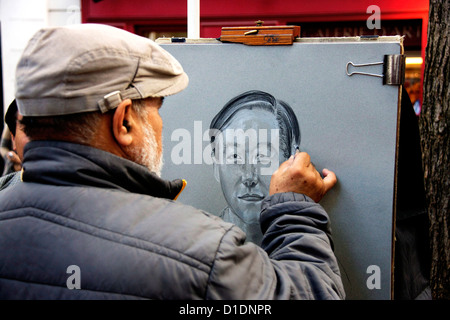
(254,99)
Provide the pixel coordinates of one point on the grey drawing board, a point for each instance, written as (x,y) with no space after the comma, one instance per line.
(348,124)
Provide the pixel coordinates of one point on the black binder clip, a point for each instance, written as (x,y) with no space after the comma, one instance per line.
(393,69)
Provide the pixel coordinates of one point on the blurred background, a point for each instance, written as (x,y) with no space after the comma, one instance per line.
(19,19)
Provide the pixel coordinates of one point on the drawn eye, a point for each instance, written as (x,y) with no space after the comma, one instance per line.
(263,159)
(234,158)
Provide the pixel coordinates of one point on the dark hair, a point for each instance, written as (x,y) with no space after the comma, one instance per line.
(11,116)
(287,121)
(80,127)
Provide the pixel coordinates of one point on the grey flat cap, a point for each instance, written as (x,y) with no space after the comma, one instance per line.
(89,67)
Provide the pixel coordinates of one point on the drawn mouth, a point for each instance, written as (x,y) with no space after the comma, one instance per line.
(251,197)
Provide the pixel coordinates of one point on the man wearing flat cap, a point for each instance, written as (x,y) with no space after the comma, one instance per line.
(93,219)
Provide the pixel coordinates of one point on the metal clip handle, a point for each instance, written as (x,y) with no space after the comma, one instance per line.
(363,65)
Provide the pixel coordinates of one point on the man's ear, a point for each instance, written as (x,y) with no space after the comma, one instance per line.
(121,127)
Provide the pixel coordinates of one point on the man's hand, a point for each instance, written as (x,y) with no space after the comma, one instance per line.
(298,174)
(14,158)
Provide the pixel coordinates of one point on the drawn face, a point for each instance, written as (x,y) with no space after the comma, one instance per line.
(246,157)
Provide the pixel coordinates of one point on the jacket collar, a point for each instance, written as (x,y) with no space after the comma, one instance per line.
(69,164)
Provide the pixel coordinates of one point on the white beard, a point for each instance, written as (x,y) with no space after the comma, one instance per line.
(147,154)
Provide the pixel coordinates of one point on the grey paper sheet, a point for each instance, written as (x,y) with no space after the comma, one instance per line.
(348,124)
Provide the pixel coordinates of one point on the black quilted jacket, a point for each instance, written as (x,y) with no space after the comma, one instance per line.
(85,224)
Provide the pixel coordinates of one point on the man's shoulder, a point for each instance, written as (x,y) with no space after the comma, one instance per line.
(110,212)
(117,209)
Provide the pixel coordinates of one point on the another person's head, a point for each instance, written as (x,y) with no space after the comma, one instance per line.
(18,137)
(100,86)
(250,137)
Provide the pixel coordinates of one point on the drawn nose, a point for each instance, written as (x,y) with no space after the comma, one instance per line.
(249,175)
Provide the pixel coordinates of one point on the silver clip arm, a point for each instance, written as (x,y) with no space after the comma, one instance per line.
(362,65)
